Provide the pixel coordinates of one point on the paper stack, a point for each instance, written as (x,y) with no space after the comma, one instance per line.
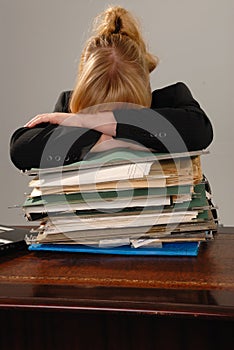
(122,202)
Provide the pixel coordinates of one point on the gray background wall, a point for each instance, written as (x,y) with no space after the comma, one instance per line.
(40,46)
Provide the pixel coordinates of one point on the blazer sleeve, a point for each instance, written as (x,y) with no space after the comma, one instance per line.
(175,122)
(48,145)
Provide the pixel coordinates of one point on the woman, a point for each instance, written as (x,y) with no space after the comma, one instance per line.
(114,68)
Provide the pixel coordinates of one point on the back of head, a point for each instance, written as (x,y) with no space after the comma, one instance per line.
(114,65)
(118,20)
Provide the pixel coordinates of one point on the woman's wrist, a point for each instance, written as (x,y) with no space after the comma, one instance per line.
(103,122)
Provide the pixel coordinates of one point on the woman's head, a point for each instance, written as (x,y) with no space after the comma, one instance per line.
(114,65)
(117,20)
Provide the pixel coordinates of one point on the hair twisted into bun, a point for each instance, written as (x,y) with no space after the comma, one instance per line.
(117,20)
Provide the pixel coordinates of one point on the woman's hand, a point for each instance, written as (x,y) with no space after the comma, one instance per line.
(68,119)
(103,122)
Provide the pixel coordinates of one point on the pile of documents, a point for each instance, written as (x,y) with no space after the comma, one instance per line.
(122,202)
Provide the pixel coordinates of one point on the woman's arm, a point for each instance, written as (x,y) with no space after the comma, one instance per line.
(50,145)
(175,122)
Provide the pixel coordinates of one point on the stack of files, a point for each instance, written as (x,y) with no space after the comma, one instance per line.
(122,202)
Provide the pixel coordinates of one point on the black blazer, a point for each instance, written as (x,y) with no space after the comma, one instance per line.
(175,123)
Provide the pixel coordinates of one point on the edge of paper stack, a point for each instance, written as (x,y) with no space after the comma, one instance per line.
(122,202)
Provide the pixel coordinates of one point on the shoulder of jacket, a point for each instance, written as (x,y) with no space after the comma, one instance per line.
(66,94)
(62,104)
(170,89)
(178,84)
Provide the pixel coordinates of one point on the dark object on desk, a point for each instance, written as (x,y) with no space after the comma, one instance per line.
(12,238)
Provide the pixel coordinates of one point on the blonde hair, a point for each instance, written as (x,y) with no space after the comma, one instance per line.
(117,19)
(114,65)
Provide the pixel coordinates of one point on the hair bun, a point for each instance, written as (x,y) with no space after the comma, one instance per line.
(117,20)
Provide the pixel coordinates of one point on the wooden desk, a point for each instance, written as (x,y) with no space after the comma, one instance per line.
(79,301)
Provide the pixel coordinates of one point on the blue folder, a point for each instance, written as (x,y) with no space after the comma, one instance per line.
(167,249)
